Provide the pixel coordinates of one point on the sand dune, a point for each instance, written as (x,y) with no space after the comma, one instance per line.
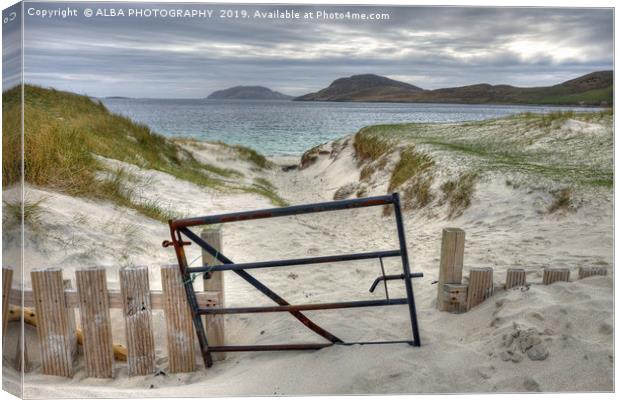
(484,350)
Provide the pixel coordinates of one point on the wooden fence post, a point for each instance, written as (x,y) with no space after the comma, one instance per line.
(92,291)
(138,320)
(585,272)
(53,322)
(551,275)
(214,281)
(480,286)
(179,325)
(451,262)
(7,280)
(515,277)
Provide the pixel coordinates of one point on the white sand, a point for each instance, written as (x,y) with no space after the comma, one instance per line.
(506,227)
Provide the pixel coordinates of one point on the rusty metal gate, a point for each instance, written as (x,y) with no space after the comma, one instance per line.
(180,232)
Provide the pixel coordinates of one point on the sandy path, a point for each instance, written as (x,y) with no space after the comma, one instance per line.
(460,353)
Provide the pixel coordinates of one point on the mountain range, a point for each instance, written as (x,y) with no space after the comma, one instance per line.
(595,88)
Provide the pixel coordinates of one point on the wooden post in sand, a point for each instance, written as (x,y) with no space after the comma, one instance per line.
(480,286)
(515,277)
(214,281)
(450,263)
(585,272)
(53,326)
(551,275)
(95,318)
(7,280)
(138,320)
(179,325)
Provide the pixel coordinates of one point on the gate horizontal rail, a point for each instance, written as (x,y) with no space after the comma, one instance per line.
(180,228)
(299,346)
(283,211)
(297,261)
(304,307)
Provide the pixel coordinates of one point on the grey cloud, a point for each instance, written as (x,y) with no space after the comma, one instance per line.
(433,46)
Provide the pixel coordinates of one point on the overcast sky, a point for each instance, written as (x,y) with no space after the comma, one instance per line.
(427,47)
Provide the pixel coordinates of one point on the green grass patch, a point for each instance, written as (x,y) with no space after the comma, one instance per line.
(64,131)
(410,164)
(370,146)
(458,192)
(31,212)
(275,199)
(252,156)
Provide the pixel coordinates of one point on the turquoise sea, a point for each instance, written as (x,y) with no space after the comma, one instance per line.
(291,127)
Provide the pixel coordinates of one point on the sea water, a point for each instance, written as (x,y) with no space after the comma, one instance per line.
(290,127)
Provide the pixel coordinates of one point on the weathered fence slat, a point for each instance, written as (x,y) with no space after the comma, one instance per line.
(585,272)
(515,277)
(179,324)
(7,280)
(214,282)
(22,363)
(451,262)
(73,337)
(53,328)
(138,320)
(480,286)
(551,275)
(95,318)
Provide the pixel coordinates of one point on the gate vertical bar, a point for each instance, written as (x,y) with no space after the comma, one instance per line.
(408,285)
(177,241)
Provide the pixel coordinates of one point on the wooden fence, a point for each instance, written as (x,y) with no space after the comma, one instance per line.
(457,297)
(51,305)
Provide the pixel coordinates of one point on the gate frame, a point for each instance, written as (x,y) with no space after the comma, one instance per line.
(181,227)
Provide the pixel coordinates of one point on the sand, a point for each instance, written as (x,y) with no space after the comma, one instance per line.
(543,338)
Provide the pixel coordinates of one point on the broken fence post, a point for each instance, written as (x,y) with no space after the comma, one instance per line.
(95,319)
(480,286)
(551,275)
(214,281)
(455,297)
(138,320)
(53,327)
(515,277)
(585,272)
(450,263)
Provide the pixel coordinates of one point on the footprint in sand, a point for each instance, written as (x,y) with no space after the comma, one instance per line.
(531,385)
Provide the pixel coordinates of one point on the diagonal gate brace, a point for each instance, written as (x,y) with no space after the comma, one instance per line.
(260,286)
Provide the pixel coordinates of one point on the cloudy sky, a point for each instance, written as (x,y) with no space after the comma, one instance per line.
(428,47)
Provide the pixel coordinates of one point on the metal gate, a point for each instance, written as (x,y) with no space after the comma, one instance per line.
(180,232)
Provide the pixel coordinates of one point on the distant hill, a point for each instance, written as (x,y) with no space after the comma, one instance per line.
(595,88)
(249,93)
(367,87)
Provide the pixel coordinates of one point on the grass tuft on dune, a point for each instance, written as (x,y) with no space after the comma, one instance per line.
(63,134)
(559,149)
